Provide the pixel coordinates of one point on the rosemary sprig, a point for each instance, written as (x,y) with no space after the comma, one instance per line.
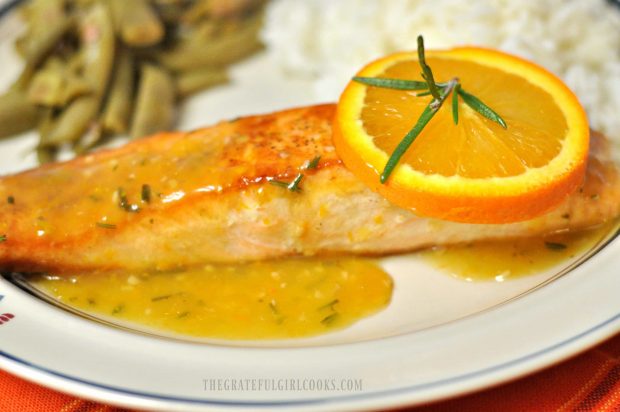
(440,92)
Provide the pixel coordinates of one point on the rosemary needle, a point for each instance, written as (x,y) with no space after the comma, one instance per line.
(312,164)
(427,73)
(455,103)
(398,84)
(294,185)
(477,104)
(426,116)
(404,144)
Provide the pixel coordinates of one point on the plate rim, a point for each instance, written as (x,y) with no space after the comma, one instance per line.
(551,355)
(512,369)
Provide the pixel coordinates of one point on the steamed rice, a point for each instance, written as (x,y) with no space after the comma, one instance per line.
(329,40)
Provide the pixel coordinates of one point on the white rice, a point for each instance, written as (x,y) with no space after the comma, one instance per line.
(329,40)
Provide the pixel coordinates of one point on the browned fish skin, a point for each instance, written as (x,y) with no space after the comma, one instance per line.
(211,201)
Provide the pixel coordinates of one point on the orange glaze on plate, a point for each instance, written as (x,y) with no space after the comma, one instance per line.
(262,300)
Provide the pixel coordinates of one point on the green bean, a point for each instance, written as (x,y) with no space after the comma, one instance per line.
(17,114)
(46,154)
(95,60)
(53,86)
(199,10)
(20,45)
(40,16)
(136,22)
(47,23)
(229,8)
(221,51)
(76,89)
(92,136)
(46,87)
(117,110)
(46,124)
(40,45)
(218,9)
(188,83)
(155,102)
(171,11)
(97,51)
(73,121)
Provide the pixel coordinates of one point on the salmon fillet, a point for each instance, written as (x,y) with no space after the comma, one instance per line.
(181,199)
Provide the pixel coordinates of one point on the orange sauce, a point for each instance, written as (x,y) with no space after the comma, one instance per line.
(263,300)
(503,260)
(291,298)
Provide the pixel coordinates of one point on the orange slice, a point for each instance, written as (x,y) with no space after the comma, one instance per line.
(474,171)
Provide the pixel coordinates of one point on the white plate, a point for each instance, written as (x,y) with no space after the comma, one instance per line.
(439,337)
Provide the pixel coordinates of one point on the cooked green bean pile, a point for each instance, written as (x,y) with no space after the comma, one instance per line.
(99,68)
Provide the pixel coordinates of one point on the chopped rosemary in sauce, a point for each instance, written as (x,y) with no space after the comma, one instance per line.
(329,305)
(118,309)
(124,204)
(555,246)
(274,307)
(104,225)
(146,193)
(122,198)
(162,297)
(292,186)
(328,320)
(10,200)
(312,164)
(2,238)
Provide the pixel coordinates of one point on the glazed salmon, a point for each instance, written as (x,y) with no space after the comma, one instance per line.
(219,194)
